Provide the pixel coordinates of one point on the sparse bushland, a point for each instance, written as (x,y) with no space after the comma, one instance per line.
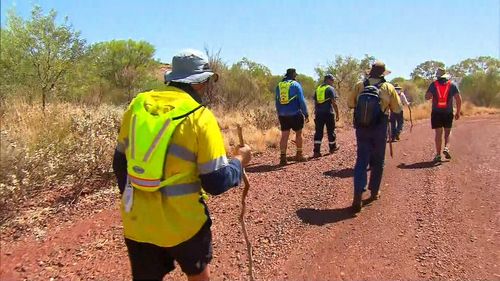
(65,151)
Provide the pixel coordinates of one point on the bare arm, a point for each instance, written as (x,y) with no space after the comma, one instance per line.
(428,95)
(336,108)
(458,100)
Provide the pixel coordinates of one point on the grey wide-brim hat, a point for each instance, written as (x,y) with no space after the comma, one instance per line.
(190,67)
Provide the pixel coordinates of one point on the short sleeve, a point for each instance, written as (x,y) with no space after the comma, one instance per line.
(454,89)
(124,131)
(431,89)
(211,154)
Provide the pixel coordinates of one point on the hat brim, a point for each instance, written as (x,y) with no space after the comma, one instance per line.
(446,76)
(386,72)
(189,78)
(398,88)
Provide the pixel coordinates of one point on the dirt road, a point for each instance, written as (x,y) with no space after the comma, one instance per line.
(431,223)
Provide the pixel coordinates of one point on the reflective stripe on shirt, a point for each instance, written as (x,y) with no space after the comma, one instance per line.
(213,165)
(181,189)
(181,152)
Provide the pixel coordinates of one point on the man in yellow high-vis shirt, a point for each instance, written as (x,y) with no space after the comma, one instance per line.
(170,147)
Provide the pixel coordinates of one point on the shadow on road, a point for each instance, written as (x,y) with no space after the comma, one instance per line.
(344,173)
(322,217)
(419,165)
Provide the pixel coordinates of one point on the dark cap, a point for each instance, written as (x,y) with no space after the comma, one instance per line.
(378,70)
(291,72)
(397,87)
(328,77)
(441,73)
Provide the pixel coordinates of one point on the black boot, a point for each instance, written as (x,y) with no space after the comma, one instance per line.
(317,150)
(334,147)
(357,203)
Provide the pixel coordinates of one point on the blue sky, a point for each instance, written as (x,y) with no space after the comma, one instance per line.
(292,33)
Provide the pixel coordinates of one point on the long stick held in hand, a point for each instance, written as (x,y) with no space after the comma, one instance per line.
(411,119)
(242,214)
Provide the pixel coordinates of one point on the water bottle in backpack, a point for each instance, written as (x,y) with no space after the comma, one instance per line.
(368,112)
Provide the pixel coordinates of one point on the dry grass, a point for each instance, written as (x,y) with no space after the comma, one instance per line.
(259,128)
(423,111)
(69,147)
(469,109)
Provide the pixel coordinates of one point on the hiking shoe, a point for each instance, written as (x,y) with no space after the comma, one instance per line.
(446,152)
(333,149)
(300,157)
(316,155)
(397,137)
(375,195)
(437,159)
(283,160)
(357,203)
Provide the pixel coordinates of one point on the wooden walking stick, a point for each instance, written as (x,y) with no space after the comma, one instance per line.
(390,138)
(242,214)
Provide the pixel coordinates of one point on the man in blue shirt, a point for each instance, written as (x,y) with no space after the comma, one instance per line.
(292,110)
(325,101)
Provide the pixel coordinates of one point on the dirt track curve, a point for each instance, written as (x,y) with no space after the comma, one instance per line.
(431,223)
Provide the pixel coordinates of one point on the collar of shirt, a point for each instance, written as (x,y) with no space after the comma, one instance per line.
(188,89)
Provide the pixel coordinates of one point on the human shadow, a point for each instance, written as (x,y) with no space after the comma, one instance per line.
(344,173)
(419,165)
(322,217)
(263,168)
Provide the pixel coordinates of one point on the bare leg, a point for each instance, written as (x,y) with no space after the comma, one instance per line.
(439,140)
(284,141)
(447,132)
(203,276)
(298,140)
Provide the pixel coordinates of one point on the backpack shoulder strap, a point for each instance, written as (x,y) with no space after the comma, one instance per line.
(188,113)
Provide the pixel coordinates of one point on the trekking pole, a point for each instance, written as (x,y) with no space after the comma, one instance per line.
(242,214)
(411,119)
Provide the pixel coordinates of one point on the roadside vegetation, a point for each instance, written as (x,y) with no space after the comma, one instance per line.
(61,103)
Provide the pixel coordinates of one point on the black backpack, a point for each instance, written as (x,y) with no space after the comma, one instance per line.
(368,112)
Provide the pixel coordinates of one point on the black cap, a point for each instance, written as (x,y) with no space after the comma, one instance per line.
(328,77)
(290,72)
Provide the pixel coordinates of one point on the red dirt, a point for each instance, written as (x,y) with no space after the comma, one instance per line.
(431,223)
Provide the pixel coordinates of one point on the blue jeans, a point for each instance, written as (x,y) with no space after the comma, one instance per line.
(371,144)
(397,121)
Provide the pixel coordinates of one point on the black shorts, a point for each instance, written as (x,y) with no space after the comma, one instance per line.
(151,262)
(441,120)
(294,122)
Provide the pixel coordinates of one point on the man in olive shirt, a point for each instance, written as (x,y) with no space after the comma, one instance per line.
(371,141)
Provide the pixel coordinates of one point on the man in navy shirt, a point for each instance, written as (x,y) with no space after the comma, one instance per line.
(292,110)
(326,113)
(442,91)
